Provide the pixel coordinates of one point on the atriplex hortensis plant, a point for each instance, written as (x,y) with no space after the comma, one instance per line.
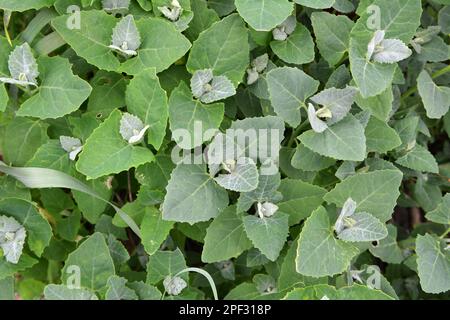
(278,149)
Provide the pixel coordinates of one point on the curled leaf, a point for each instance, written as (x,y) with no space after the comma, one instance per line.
(132,128)
(336,103)
(266,209)
(284,30)
(347,210)
(259,64)
(209,88)
(72,145)
(172,12)
(384,50)
(317,125)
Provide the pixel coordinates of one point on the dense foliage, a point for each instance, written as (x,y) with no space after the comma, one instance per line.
(179,149)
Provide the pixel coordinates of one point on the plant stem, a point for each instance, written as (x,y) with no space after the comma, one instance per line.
(296,132)
(445,233)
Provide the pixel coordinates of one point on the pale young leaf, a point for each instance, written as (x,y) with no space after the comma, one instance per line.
(132,128)
(71,145)
(12,238)
(337,101)
(172,12)
(174,285)
(266,209)
(347,210)
(317,125)
(281,32)
(126,38)
(384,50)
(22,67)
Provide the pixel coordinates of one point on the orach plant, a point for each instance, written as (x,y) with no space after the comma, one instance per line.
(224,149)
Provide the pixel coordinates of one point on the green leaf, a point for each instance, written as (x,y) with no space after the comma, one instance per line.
(94,261)
(319,253)
(3,98)
(442,213)
(192,195)
(433,263)
(223,48)
(38,229)
(162,264)
(91,207)
(289,277)
(420,159)
(388,249)
(60,92)
(203,19)
(154,230)
(117,289)
(264,15)
(268,234)
(380,137)
(156,51)
(148,101)
(62,292)
(399,19)
(307,160)
(298,48)
(145,291)
(266,191)
(344,140)
(316,4)
(106,152)
(365,227)
(332,35)
(8,269)
(243,177)
(24,5)
(92,46)
(289,88)
(380,106)
(118,252)
(436,100)
(22,137)
(374,192)
(52,156)
(322,291)
(225,237)
(192,122)
(300,199)
(108,93)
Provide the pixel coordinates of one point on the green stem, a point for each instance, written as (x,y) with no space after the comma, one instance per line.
(435,75)
(445,233)
(6,20)
(296,132)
